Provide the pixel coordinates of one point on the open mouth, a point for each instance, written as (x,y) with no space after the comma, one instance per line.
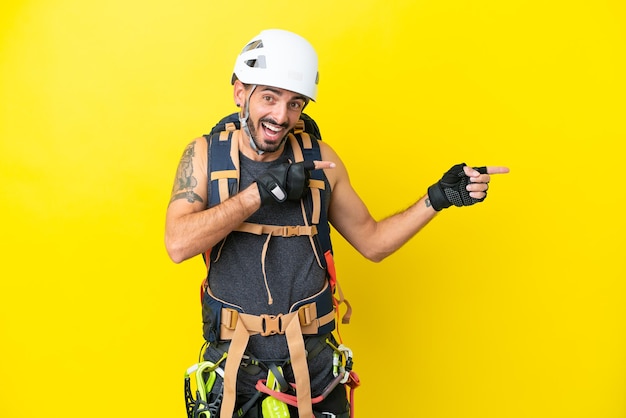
(272,132)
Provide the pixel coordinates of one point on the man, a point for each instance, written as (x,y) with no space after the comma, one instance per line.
(260,276)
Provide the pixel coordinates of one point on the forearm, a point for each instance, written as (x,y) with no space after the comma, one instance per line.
(190,234)
(391,233)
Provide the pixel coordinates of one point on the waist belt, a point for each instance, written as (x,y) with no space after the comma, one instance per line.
(311,316)
(265,325)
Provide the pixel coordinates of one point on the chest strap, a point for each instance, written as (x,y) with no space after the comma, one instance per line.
(277,230)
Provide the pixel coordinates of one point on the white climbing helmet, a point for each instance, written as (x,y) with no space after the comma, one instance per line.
(279,58)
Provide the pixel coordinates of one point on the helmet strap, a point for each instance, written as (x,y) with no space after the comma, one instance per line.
(243,120)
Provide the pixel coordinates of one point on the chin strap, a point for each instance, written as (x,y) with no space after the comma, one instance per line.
(243,119)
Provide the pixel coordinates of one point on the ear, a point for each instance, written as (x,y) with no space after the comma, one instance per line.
(239,93)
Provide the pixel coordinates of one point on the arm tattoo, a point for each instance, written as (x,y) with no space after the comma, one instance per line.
(427,203)
(185,181)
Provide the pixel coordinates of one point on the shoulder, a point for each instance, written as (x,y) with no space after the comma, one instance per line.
(195,155)
(326,150)
(338,174)
(194,149)
(199,147)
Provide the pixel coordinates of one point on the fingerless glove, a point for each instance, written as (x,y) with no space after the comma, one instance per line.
(286,181)
(451,189)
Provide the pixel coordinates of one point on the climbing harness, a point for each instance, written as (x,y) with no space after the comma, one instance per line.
(313,316)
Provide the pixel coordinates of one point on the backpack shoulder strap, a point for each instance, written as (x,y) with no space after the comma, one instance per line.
(222,164)
(306,148)
(222,172)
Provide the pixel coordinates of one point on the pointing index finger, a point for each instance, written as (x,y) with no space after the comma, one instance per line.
(497,170)
(320,165)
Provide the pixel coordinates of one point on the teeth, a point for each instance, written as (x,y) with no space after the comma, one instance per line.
(271,128)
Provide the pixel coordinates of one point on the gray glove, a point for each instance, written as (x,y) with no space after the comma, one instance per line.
(450,190)
(286,181)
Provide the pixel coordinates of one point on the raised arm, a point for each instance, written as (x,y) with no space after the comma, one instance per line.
(376,240)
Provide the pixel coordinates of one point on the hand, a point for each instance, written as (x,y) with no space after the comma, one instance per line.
(462,186)
(287,181)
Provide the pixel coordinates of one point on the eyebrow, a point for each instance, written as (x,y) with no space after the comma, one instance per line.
(280,93)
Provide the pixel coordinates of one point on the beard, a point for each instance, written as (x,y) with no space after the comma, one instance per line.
(262,145)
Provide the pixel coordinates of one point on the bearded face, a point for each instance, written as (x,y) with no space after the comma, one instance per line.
(272,114)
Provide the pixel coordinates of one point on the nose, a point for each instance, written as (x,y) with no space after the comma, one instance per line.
(280,114)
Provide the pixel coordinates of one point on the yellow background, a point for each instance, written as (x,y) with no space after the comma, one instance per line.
(513,308)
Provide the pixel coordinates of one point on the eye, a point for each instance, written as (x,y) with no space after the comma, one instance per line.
(296,105)
(268,98)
